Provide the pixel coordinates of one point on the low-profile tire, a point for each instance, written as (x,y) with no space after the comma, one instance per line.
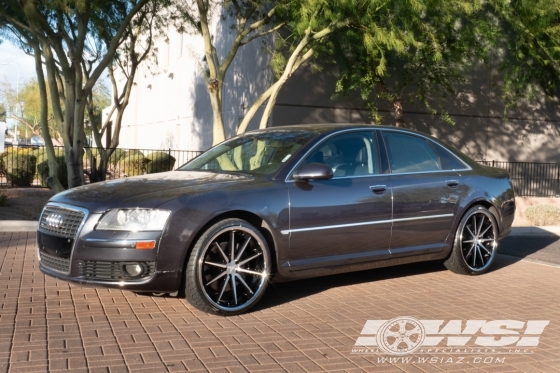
(475,244)
(228,268)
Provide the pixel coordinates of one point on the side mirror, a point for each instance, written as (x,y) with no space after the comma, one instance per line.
(313,171)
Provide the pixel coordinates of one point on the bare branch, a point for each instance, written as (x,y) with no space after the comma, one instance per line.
(261,34)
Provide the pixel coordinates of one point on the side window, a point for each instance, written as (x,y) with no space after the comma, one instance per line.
(351,154)
(448,160)
(409,153)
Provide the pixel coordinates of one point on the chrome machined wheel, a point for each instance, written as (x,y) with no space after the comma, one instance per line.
(476,243)
(233,268)
(478,240)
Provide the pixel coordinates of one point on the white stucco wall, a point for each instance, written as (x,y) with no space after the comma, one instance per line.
(169,105)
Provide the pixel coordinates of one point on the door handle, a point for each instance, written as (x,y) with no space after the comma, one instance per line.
(378,188)
(452,183)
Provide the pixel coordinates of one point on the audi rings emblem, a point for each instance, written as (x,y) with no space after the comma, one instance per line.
(401,336)
(54,220)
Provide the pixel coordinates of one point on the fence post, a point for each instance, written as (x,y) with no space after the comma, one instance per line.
(558,179)
(169,159)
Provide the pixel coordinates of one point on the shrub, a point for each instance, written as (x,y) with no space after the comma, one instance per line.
(43,171)
(159,162)
(2,162)
(3,198)
(20,168)
(132,163)
(543,214)
(117,155)
(41,155)
(16,152)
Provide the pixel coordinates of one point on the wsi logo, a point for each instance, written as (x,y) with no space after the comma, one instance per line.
(405,335)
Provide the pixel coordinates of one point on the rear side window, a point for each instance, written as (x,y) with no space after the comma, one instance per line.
(409,153)
(448,160)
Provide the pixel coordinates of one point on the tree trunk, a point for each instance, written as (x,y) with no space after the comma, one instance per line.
(54,168)
(275,88)
(98,165)
(396,103)
(294,62)
(398,112)
(218,131)
(253,110)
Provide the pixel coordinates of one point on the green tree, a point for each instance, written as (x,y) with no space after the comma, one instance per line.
(135,48)
(99,99)
(250,20)
(449,37)
(25,108)
(362,35)
(77,41)
(530,37)
(2,112)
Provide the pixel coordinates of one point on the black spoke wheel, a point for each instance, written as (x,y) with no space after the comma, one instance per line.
(229,268)
(475,243)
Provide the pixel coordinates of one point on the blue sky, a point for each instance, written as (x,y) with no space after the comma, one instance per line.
(14,56)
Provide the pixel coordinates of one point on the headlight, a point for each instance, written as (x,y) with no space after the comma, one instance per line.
(134,220)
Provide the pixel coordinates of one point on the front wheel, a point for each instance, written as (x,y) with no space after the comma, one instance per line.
(228,269)
(475,243)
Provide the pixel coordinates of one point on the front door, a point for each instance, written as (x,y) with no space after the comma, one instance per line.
(346,219)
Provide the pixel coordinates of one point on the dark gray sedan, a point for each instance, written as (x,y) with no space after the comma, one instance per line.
(280,204)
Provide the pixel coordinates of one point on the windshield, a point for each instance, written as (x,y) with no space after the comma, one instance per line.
(261,153)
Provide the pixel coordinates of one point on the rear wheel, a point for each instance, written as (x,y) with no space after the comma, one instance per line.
(475,245)
(228,269)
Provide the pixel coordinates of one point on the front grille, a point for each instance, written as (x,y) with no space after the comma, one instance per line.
(54,262)
(61,221)
(112,271)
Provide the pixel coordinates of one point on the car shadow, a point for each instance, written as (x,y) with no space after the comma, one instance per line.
(285,292)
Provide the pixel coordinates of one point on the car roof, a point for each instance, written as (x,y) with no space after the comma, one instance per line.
(322,128)
(325,128)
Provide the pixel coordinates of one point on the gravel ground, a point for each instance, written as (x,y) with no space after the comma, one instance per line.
(24,203)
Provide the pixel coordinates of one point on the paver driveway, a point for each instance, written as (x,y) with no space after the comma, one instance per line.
(308,325)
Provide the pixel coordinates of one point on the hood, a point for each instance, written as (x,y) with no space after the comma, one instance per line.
(147,191)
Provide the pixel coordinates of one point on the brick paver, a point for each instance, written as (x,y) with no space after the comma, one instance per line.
(303,326)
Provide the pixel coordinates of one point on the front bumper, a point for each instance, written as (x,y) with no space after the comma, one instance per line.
(159,282)
(101,258)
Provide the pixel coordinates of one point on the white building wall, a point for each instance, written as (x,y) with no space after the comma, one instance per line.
(170,106)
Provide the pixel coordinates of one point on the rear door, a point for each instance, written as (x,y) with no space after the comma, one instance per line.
(426,193)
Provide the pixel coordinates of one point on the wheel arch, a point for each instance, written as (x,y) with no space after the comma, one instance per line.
(255,220)
(484,203)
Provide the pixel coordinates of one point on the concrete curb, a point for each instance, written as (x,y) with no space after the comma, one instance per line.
(18,225)
(536,231)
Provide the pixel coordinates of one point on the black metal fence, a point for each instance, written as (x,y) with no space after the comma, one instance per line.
(26,166)
(532,179)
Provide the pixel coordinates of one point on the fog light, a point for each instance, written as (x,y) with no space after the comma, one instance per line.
(134,270)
